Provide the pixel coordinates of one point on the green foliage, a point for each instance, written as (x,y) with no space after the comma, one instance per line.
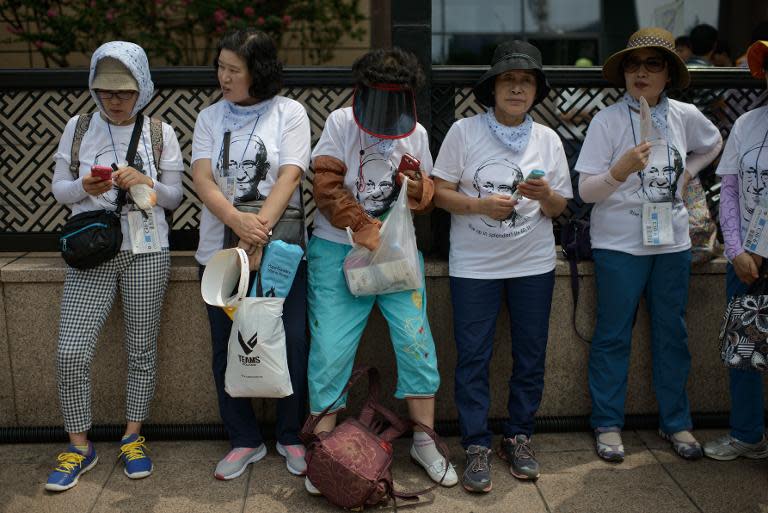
(181,32)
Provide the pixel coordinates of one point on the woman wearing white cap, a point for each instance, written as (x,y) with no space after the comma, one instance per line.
(634,171)
(121,86)
(743,168)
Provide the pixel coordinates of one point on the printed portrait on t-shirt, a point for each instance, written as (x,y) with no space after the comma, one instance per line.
(375,186)
(498,176)
(753,168)
(106,157)
(248,159)
(658,181)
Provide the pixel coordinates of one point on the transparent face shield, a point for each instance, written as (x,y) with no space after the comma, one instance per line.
(387,111)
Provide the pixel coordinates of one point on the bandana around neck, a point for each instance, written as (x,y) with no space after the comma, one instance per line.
(237,117)
(513,137)
(383,146)
(658,111)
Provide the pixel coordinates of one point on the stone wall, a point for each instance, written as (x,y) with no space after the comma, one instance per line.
(30,293)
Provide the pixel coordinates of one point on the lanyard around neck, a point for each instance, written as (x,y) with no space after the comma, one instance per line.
(225,145)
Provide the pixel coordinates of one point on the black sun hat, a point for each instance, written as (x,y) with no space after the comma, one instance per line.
(512,55)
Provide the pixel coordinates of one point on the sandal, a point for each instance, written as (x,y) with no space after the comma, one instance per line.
(608,444)
(684,444)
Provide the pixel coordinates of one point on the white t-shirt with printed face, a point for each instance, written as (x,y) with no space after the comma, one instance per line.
(256,152)
(746,155)
(98,147)
(616,222)
(474,159)
(371,176)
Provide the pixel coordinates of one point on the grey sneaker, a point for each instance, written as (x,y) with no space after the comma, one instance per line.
(477,475)
(519,454)
(684,444)
(608,444)
(294,458)
(234,463)
(728,448)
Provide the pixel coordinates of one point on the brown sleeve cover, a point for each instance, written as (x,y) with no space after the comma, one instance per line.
(335,202)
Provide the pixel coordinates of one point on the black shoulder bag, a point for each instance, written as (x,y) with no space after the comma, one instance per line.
(91,238)
(289,228)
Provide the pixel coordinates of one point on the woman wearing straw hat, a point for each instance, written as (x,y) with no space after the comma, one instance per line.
(634,173)
(742,168)
(502,245)
(121,86)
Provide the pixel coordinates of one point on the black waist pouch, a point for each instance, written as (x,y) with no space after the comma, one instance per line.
(91,238)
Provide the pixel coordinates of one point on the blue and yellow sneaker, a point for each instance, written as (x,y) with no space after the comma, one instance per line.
(72,464)
(134,457)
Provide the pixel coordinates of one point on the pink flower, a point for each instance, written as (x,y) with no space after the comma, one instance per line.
(14,30)
(220,29)
(249,11)
(52,13)
(186,2)
(159,3)
(260,20)
(287,20)
(39,44)
(110,15)
(93,4)
(219,15)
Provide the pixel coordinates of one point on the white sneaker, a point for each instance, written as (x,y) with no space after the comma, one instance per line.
(310,488)
(436,469)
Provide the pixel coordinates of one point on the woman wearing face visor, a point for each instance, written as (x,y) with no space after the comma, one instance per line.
(355,163)
(634,172)
(502,245)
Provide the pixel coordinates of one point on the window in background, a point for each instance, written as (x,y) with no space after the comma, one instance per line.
(466,31)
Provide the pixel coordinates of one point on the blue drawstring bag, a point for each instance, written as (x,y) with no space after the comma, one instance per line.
(278,268)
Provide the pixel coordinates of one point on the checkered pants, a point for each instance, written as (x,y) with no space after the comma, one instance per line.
(88,298)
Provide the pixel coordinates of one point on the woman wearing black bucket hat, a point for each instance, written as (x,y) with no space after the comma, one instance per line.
(637,157)
(502,177)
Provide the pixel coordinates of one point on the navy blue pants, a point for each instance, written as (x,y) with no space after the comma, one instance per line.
(237,412)
(747,415)
(621,280)
(476,305)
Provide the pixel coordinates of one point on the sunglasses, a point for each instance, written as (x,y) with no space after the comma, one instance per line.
(120,95)
(651,64)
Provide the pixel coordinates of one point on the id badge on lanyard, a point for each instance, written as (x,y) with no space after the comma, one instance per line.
(228,175)
(143,231)
(757,234)
(657,224)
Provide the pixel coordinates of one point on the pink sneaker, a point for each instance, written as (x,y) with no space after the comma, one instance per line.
(294,458)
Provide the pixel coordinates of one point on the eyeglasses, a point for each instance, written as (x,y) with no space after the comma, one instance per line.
(652,64)
(120,95)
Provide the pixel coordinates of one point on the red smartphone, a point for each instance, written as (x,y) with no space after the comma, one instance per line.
(103,172)
(407,162)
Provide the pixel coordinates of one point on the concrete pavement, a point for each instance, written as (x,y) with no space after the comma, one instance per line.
(652,479)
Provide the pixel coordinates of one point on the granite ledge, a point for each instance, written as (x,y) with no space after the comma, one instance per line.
(39,267)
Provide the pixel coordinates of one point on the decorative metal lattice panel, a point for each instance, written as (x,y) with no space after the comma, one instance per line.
(32,117)
(32,121)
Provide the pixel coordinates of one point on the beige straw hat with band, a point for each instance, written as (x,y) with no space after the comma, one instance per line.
(657,39)
(112,75)
(757,58)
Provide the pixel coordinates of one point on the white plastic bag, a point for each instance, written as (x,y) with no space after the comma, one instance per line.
(394,266)
(257,362)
